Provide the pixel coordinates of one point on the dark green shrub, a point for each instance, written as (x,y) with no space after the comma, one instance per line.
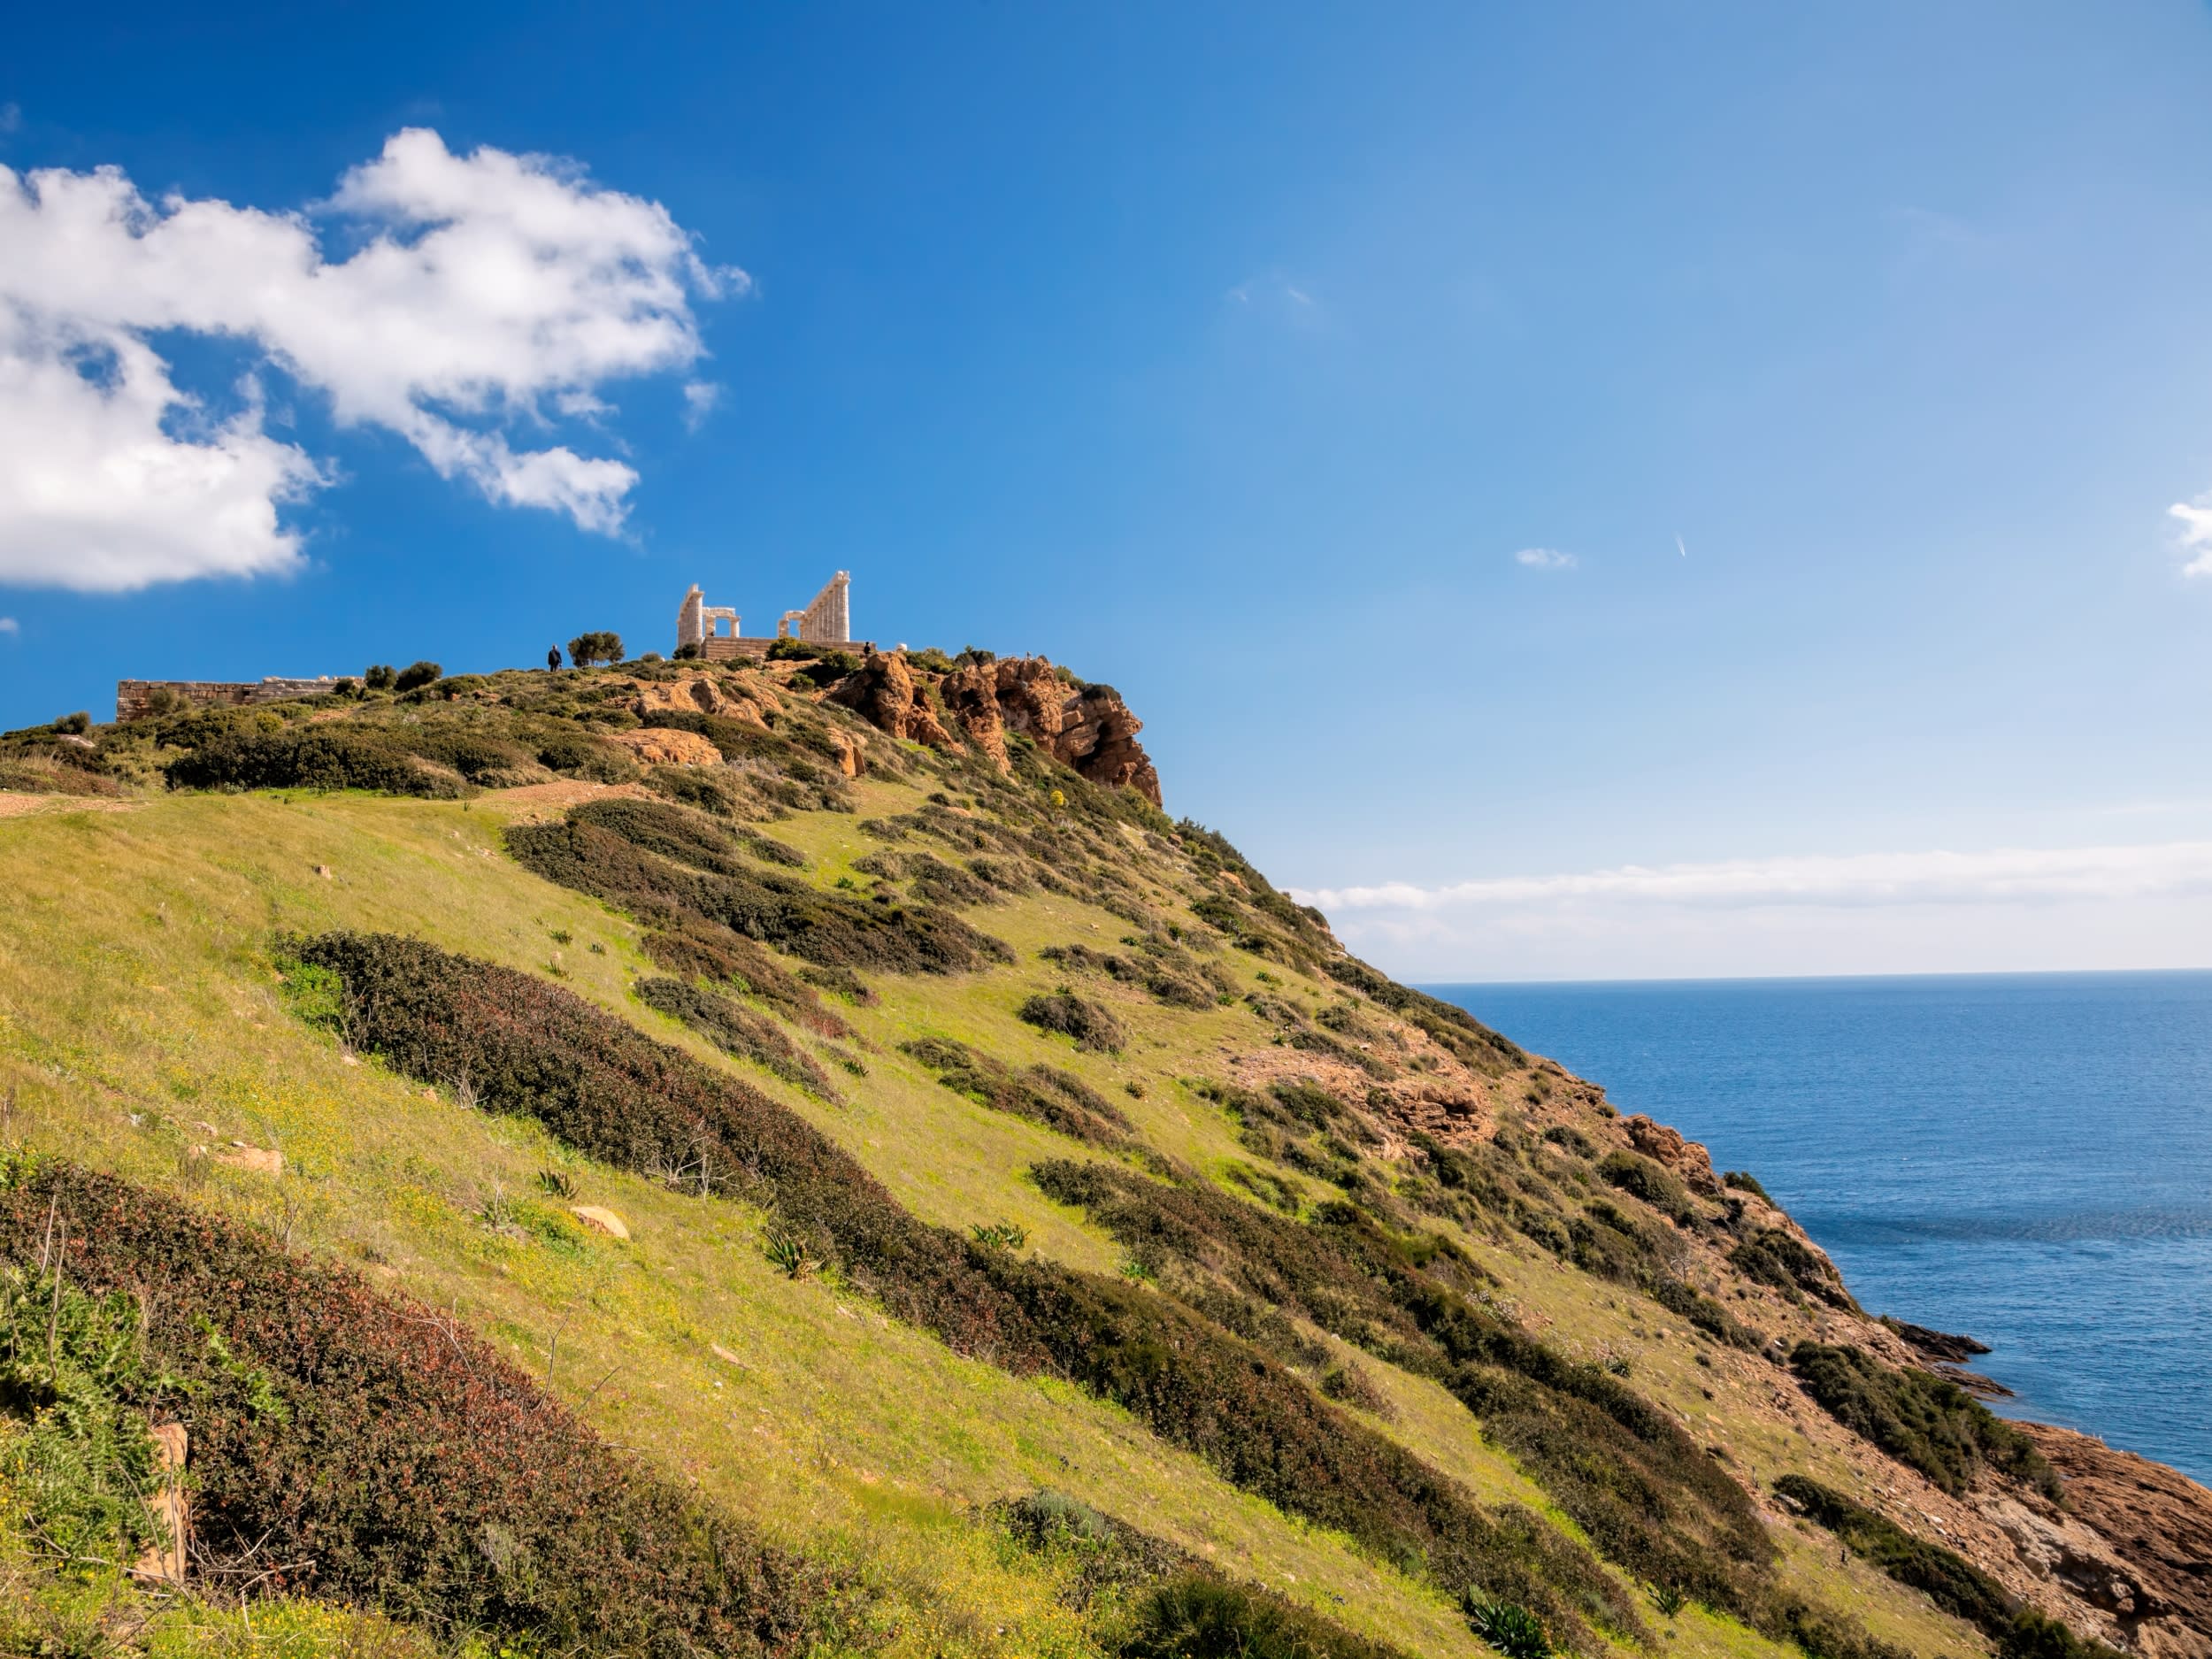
(930,878)
(1639,1176)
(790,651)
(699,788)
(416,675)
(769,850)
(1951,1583)
(1170,974)
(1702,1312)
(1919,1418)
(2033,1635)
(1350,1385)
(1744,1181)
(695,948)
(841,982)
(1197,1616)
(1109,1555)
(738,1029)
(1573,1140)
(75,725)
(1778,1259)
(1949,1580)
(314,757)
(1473,1043)
(664,865)
(480,757)
(1040,1093)
(1068,1015)
(598,647)
(381,677)
(586,757)
(388,1455)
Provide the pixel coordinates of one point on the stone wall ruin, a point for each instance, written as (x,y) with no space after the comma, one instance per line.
(139,699)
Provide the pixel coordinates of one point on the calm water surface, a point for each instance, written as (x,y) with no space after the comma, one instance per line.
(2026,1158)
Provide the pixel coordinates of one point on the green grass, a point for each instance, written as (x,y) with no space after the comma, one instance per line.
(145,991)
(142,988)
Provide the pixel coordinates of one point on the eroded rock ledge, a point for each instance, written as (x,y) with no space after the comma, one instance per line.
(1087,728)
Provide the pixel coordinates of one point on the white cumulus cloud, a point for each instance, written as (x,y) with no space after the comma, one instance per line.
(1546,558)
(483,294)
(2196,533)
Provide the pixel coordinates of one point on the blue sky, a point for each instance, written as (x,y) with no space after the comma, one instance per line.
(1850,360)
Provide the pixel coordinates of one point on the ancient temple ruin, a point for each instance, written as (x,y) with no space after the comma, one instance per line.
(697,621)
(828,620)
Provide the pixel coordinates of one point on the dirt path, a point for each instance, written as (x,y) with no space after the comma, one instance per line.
(15,805)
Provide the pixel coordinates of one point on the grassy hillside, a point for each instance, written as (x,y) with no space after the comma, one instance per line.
(977,1132)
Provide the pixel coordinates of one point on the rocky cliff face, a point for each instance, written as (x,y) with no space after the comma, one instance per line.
(1086,728)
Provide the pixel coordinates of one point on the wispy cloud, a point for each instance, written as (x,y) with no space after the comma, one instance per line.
(9,625)
(1274,292)
(1854,880)
(11,117)
(700,398)
(1546,558)
(2196,533)
(2026,908)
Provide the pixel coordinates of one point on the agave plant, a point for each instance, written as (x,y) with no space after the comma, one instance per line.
(557,1183)
(1669,1598)
(789,1252)
(1000,1235)
(1509,1628)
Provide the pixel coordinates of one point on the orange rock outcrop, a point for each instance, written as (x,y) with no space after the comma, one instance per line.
(1090,729)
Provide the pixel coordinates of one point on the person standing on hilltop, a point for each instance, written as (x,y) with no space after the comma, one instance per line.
(553,660)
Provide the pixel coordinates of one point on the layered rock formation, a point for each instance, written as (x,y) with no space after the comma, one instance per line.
(1087,728)
(883,694)
(1666,1145)
(2137,1545)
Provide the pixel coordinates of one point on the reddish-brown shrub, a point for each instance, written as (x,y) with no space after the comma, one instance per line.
(369,1448)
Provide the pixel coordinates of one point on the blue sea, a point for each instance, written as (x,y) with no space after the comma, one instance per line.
(2023,1158)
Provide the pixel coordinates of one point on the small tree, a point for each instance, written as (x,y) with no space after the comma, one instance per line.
(380,677)
(597,647)
(75,725)
(418,674)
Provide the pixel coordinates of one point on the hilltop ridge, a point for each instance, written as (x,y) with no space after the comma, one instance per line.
(1032,1231)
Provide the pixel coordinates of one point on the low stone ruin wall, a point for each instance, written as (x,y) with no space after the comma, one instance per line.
(134,699)
(727,649)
